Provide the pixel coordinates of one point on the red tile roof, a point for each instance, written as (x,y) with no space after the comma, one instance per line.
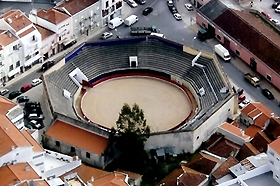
(32,141)
(131,175)
(7,38)
(75,6)
(252,130)
(234,130)
(223,169)
(112,179)
(246,150)
(52,15)
(224,148)
(26,32)
(172,176)
(260,141)
(275,145)
(17,20)
(45,33)
(253,34)
(273,128)
(77,137)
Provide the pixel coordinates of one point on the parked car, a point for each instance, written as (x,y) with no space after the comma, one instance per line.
(266,15)
(173,9)
(141,2)
(36,82)
(106,35)
(132,3)
(267,94)
(275,21)
(240,91)
(147,11)
(29,105)
(22,99)
(36,124)
(277,9)
(35,116)
(170,3)
(177,16)
(14,94)
(25,88)
(4,91)
(244,103)
(241,98)
(275,4)
(189,7)
(47,65)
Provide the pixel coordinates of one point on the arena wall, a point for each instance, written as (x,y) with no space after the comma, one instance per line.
(190,141)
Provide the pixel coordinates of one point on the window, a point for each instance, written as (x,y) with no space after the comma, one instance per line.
(268,77)
(15,47)
(73,149)
(203,25)
(237,52)
(107,4)
(276,176)
(34,38)
(218,37)
(277,159)
(17,64)
(113,1)
(11,68)
(88,155)
(17,154)
(37,165)
(57,143)
(38,156)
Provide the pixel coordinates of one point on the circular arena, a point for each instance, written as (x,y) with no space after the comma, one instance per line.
(184,102)
(164,103)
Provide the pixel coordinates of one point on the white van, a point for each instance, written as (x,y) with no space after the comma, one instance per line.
(130,20)
(117,21)
(157,34)
(222,52)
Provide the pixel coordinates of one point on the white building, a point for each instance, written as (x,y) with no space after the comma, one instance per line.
(85,14)
(273,158)
(110,10)
(20,43)
(57,22)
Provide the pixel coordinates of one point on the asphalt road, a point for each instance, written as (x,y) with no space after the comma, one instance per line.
(179,31)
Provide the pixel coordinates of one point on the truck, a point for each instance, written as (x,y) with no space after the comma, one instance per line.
(117,21)
(252,79)
(202,34)
(130,20)
(222,52)
(143,30)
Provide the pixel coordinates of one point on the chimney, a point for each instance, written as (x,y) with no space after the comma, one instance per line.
(13,147)
(92,179)
(272,114)
(27,168)
(242,133)
(10,34)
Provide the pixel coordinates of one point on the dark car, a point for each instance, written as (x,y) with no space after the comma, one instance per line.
(30,105)
(14,94)
(141,2)
(267,93)
(25,88)
(147,11)
(173,9)
(47,65)
(36,124)
(274,5)
(35,116)
(22,99)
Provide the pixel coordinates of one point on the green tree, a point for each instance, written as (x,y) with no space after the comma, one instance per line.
(129,137)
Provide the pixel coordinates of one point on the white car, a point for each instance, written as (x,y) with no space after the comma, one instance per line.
(132,3)
(244,103)
(277,9)
(189,7)
(106,35)
(36,82)
(177,16)
(275,21)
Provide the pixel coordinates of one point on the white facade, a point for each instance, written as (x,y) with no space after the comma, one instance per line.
(110,10)
(273,159)
(17,155)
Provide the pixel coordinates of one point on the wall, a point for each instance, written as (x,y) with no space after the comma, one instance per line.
(232,137)
(273,160)
(19,155)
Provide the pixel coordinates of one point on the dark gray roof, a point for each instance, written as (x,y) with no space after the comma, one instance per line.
(213,9)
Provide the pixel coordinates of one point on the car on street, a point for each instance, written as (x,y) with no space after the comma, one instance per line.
(4,91)
(22,99)
(267,16)
(244,103)
(241,98)
(170,3)
(14,94)
(107,35)
(267,94)
(140,2)
(277,9)
(132,3)
(177,16)
(36,82)
(275,21)
(35,116)
(25,88)
(47,65)
(147,11)
(189,7)
(173,9)
(275,4)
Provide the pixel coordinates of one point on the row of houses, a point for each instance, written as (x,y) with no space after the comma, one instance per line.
(29,39)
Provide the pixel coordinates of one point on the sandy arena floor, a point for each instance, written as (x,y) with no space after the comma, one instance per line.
(164,104)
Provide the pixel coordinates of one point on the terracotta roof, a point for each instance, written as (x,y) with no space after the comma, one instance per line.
(260,141)
(6,104)
(253,34)
(10,136)
(203,163)
(224,148)
(86,172)
(192,178)
(32,141)
(246,150)
(45,33)
(26,32)
(113,179)
(252,130)
(273,128)
(52,15)
(172,176)
(275,145)
(233,130)
(77,137)
(75,6)
(223,169)
(17,19)
(11,174)
(258,112)
(131,175)
(7,38)
(37,182)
